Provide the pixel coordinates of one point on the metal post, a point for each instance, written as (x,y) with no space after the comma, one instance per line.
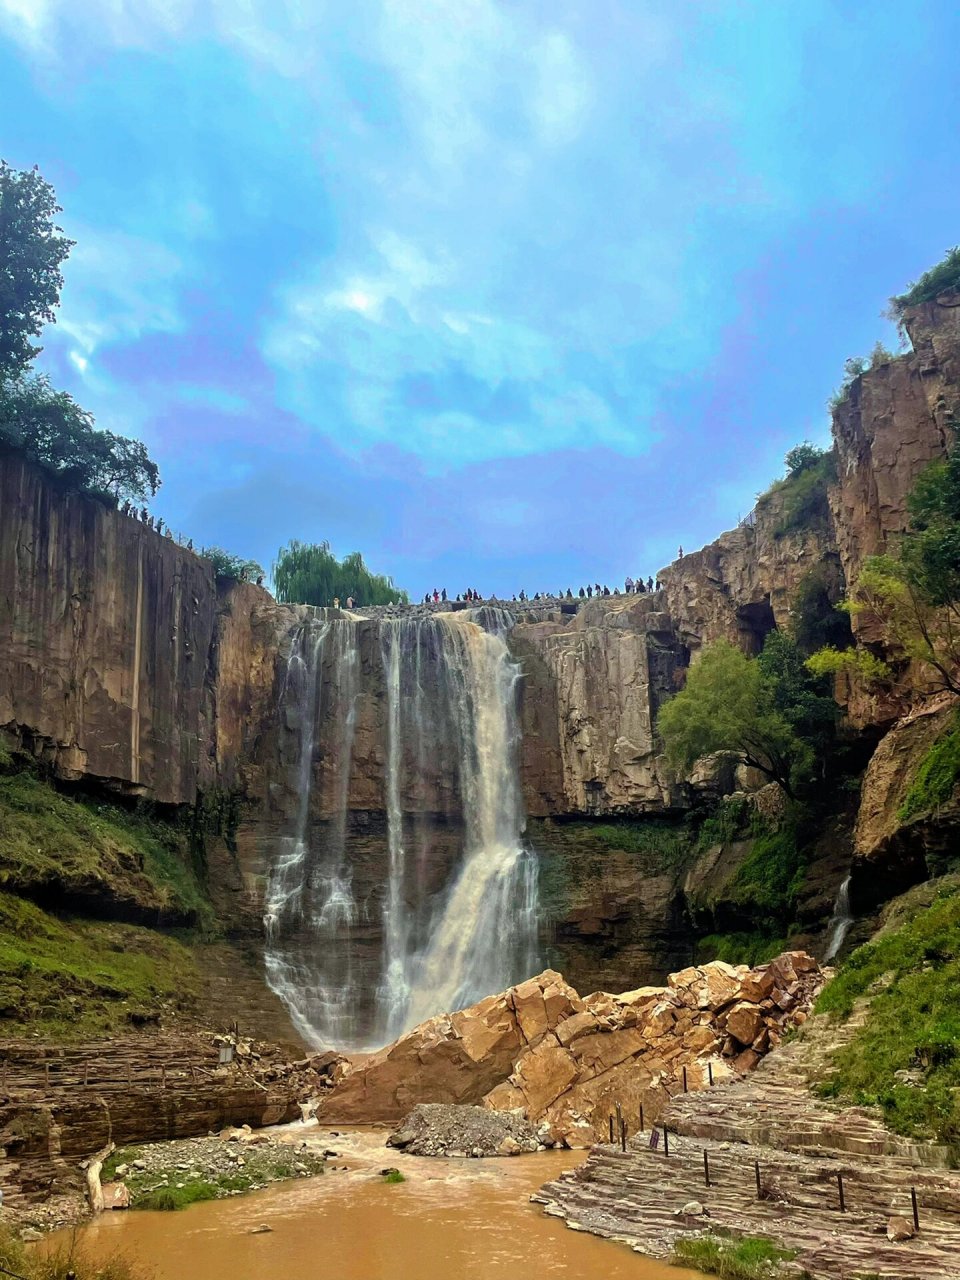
(611,1129)
(623,1135)
(843,1207)
(684,1079)
(666,1141)
(756,1169)
(710,1072)
(641,1118)
(916,1211)
(706,1168)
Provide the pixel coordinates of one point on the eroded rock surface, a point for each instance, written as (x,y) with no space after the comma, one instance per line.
(564,1062)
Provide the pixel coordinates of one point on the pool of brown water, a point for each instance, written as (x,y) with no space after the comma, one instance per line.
(450,1220)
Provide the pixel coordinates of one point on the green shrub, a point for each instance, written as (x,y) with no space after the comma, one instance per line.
(753,1258)
(770,877)
(739,948)
(913,1024)
(938,774)
(394,1176)
(57,1263)
(944,276)
(665,841)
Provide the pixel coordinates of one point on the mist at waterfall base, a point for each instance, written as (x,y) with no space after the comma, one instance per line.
(450,688)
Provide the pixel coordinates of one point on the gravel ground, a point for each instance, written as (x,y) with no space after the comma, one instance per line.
(230,1163)
(444,1129)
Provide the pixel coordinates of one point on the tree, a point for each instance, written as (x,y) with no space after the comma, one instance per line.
(802,456)
(32,249)
(310,573)
(801,698)
(913,595)
(913,627)
(729,703)
(51,429)
(230,567)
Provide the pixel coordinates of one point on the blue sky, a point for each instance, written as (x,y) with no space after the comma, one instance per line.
(503,294)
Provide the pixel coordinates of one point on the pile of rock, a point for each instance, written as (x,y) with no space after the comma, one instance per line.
(445,1129)
(566,1062)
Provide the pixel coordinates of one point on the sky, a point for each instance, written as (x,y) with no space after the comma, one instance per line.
(502,293)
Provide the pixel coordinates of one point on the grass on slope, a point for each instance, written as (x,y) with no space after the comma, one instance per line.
(936,777)
(913,1025)
(72,979)
(51,844)
(752,1258)
(739,948)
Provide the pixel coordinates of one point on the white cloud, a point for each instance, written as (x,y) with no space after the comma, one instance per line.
(118,288)
(562,89)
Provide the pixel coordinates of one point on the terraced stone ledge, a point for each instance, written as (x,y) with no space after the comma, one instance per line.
(770,1121)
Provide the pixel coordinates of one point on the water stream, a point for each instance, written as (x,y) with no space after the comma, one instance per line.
(449,686)
(839,923)
(451,1220)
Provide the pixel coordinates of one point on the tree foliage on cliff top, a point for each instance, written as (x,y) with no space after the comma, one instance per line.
(939,279)
(803,490)
(45,425)
(50,429)
(310,573)
(231,568)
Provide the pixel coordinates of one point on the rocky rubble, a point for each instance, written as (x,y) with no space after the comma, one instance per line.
(564,1061)
(444,1129)
(234,1161)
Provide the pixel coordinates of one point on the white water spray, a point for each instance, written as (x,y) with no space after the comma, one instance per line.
(839,923)
(450,687)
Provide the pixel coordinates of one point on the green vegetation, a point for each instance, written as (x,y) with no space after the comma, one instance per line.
(45,425)
(664,841)
(771,711)
(68,1262)
(913,1024)
(52,846)
(312,574)
(803,490)
(935,779)
(771,875)
(855,366)
(816,620)
(231,568)
(914,594)
(739,948)
(830,661)
(261,1166)
(68,978)
(752,1258)
(393,1176)
(939,279)
(32,250)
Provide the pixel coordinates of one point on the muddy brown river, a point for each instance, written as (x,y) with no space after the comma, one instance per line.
(450,1220)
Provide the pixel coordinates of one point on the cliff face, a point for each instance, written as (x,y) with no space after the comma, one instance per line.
(105,637)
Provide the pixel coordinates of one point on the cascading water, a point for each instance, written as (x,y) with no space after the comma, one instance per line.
(450,696)
(482,933)
(839,924)
(310,886)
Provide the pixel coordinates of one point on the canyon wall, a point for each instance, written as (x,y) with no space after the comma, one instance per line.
(125,664)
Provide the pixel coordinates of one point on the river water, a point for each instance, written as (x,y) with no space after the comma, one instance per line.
(450,1220)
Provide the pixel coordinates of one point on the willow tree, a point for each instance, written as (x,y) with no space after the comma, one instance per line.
(310,573)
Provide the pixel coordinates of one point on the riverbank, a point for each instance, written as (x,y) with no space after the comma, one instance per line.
(763,1157)
(465,1218)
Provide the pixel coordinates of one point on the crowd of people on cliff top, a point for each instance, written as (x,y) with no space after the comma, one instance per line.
(631,586)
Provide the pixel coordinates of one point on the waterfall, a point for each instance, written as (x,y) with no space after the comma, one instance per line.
(839,923)
(450,934)
(309,892)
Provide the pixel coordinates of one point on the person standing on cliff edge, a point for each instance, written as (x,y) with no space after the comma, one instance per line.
(680,554)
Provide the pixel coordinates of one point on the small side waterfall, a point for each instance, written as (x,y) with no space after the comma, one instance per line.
(450,934)
(839,923)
